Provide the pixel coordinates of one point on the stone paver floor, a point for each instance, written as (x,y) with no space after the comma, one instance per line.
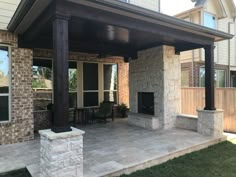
(107,148)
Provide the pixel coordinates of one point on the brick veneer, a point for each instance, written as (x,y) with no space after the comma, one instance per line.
(20,127)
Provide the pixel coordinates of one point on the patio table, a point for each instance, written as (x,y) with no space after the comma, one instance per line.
(84,114)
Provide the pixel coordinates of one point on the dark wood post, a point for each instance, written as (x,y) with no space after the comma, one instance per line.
(209,78)
(60,70)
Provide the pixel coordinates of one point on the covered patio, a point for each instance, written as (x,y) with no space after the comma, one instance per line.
(113,149)
(150,42)
(114,28)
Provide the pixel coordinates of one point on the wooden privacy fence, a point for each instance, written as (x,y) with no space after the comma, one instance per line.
(194,99)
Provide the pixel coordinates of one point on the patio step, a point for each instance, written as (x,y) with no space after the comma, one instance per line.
(161,159)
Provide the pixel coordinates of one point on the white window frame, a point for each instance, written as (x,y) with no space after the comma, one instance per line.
(215,77)
(9,94)
(117,81)
(216,20)
(52,89)
(80,81)
(100,91)
(222,70)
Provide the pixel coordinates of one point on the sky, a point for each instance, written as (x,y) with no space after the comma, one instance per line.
(172,7)
(4,62)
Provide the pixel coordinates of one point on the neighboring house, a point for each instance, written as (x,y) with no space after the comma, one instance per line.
(218,15)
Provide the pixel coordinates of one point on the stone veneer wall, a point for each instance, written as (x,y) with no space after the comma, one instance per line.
(20,127)
(157,70)
(187,122)
(123,69)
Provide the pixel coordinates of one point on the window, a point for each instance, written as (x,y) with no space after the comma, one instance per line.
(73,84)
(4,84)
(90,80)
(42,74)
(202,77)
(209,20)
(110,82)
(42,83)
(219,78)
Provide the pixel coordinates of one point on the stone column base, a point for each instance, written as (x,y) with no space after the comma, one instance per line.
(211,123)
(61,154)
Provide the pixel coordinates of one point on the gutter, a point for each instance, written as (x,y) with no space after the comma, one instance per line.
(19,14)
(26,13)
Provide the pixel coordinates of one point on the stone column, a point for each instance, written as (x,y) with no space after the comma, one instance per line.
(61,154)
(211,123)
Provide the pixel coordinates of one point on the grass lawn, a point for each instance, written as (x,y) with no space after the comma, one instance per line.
(216,161)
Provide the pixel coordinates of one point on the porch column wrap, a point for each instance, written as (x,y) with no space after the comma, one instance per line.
(61,154)
(210,122)
(209,78)
(60,73)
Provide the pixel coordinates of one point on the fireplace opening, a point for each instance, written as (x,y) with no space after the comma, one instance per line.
(146,103)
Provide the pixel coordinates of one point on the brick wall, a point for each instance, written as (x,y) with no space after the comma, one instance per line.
(20,128)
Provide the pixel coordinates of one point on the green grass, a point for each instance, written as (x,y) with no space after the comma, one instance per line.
(216,161)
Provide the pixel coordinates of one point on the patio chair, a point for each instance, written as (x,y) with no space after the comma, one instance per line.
(104,112)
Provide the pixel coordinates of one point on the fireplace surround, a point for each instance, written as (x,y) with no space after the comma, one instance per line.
(154,81)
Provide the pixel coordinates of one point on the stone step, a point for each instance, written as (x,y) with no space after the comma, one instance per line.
(161,159)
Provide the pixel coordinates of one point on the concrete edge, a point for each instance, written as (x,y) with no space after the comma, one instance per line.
(159,160)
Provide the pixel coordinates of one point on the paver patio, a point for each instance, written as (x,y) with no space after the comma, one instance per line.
(112,148)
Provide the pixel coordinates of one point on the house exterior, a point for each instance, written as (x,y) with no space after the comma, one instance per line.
(34,94)
(98,69)
(64,47)
(219,15)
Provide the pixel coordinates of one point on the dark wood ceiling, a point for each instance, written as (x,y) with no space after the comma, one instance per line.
(101,32)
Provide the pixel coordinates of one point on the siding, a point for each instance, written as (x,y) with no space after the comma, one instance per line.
(223,45)
(7,9)
(150,4)
(187,56)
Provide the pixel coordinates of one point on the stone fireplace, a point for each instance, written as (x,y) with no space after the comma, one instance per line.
(154,82)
